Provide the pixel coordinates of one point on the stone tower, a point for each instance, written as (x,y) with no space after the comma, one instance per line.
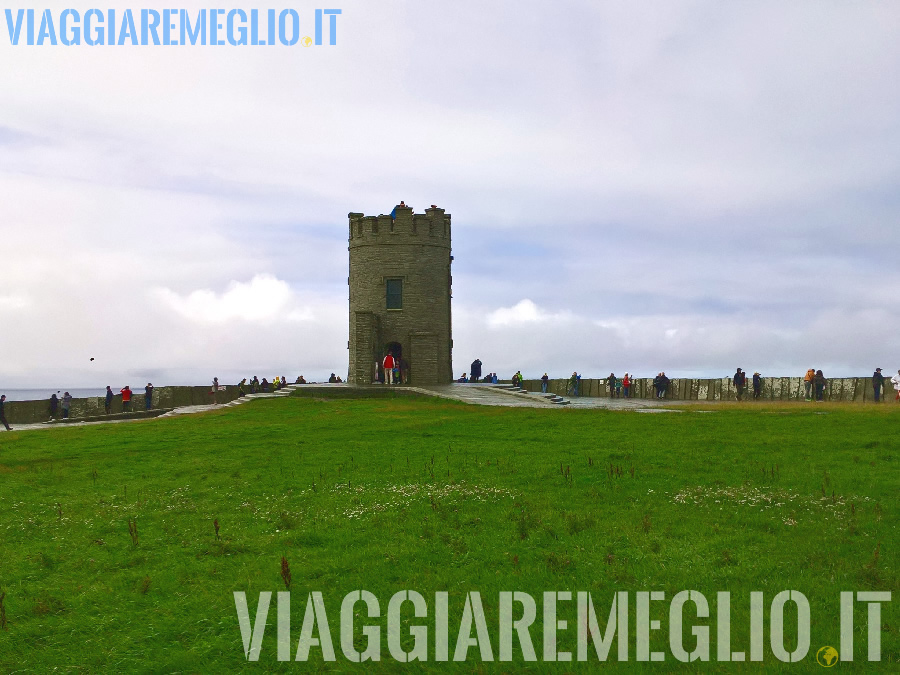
(400,294)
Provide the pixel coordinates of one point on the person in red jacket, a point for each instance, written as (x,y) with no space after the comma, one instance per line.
(126,398)
(388,365)
(626,385)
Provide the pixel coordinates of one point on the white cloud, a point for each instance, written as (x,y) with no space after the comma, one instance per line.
(263,298)
(13,302)
(523,312)
(716,170)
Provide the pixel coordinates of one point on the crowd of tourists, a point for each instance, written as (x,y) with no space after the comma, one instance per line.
(60,404)
(256,386)
(815,383)
(395,371)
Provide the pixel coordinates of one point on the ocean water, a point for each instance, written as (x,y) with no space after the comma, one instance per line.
(44,394)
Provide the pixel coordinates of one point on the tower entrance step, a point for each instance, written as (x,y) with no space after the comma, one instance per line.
(553,398)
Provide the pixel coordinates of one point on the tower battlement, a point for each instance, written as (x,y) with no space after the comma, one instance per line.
(431,228)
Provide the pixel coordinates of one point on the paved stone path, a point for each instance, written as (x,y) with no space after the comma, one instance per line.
(481,395)
(497,395)
(183,410)
(636,404)
(475,394)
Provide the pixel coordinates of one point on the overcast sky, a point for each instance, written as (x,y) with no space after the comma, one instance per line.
(640,186)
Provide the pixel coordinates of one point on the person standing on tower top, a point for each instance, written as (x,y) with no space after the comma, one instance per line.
(401,205)
(388,365)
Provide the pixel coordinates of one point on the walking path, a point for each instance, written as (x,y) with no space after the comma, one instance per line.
(509,396)
(183,410)
(474,394)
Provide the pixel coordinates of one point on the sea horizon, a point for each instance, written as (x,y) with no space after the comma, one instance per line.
(39,394)
(44,393)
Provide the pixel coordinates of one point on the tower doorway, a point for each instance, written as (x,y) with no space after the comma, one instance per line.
(402,366)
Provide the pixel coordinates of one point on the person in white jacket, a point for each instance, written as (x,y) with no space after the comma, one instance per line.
(895,380)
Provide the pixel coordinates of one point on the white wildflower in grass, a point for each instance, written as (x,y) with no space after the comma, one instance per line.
(766,499)
(379,499)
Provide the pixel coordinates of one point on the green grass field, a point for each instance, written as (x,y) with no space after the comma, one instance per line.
(391,494)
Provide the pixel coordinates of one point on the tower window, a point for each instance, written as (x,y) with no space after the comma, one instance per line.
(395,293)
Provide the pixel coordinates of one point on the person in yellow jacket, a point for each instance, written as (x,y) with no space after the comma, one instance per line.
(808,382)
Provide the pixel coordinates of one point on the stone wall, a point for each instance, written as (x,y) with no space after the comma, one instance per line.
(773,389)
(30,412)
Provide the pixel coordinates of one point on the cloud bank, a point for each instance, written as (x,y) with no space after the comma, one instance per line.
(688,186)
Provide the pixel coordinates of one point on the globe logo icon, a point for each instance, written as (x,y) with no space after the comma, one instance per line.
(827,657)
(306,41)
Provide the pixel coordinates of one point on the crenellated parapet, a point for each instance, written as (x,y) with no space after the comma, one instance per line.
(431,228)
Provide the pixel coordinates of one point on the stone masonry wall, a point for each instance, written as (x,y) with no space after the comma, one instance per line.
(416,249)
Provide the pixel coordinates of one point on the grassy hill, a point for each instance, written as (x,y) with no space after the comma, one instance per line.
(110,559)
